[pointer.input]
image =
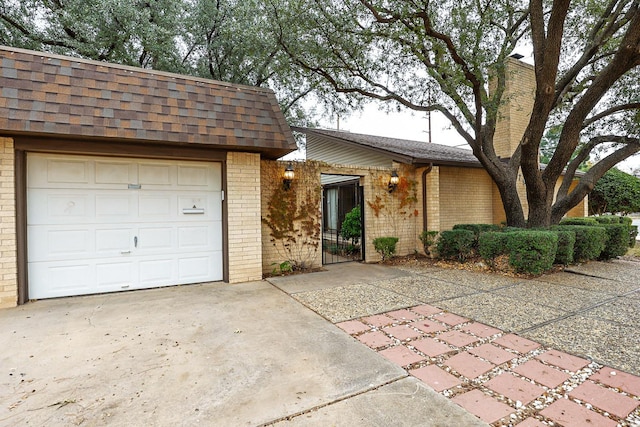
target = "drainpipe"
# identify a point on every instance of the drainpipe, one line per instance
(424, 196)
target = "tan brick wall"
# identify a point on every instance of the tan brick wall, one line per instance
(466, 196)
(8, 266)
(243, 209)
(307, 174)
(433, 199)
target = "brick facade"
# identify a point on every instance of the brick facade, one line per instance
(243, 212)
(8, 266)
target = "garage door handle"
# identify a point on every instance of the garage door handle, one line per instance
(125, 252)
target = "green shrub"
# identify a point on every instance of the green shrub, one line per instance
(590, 241)
(532, 251)
(455, 244)
(566, 247)
(428, 239)
(491, 244)
(633, 234)
(352, 225)
(385, 246)
(579, 221)
(476, 229)
(626, 220)
(617, 241)
(607, 219)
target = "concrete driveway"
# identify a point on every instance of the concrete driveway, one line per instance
(212, 354)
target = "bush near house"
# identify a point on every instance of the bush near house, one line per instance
(477, 229)
(590, 240)
(532, 251)
(385, 246)
(617, 241)
(491, 244)
(428, 239)
(566, 247)
(352, 225)
(455, 244)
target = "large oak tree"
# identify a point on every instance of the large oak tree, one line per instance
(441, 55)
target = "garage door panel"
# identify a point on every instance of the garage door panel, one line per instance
(195, 268)
(155, 174)
(157, 272)
(120, 173)
(110, 241)
(63, 279)
(111, 276)
(157, 205)
(90, 231)
(154, 239)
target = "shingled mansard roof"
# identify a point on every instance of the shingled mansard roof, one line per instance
(58, 96)
(401, 150)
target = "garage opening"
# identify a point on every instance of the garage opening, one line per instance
(103, 224)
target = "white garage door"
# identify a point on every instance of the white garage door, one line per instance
(108, 224)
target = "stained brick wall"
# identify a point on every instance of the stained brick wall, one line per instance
(466, 196)
(8, 268)
(243, 208)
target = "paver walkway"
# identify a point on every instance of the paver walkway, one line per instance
(521, 370)
(502, 378)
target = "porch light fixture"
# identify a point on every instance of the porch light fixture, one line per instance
(288, 177)
(393, 181)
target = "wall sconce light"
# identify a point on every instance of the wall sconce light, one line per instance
(393, 181)
(287, 177)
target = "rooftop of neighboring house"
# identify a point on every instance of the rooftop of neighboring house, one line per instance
(400, 150)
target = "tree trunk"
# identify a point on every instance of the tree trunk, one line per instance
(511, 203)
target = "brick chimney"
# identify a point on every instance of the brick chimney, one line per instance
(517, 103)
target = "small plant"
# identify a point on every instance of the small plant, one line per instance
(428, 239)
(352, 225)
(566, 247)
(617, 242)
(491, 244)
(282, 268)
(385, 246)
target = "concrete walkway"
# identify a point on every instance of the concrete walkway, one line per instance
(214, 355)
(561, 348)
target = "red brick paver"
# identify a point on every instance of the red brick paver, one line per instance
(481, 330)
(375, 339)
(457, 357)
(426, 310)
(378, 320)
(429, 326)
(403, 315)
(484, 407)
(353, 327)
(436, 378)
(402, 332)
(431, 347)
(622, 380)
(570, 414)
(450, 319)
(563, 360)
(515, 388)
(401, 355)
(492, 353)
(457, 338)
(541, 373)
(468, 365)
(605, 399)
(519, 344)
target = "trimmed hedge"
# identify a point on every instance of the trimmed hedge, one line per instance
(477, 228)
(385, 246)
(566, 247)
(590, 240)
(608, 219)
(617, 241)
(532, 251)
(455, 244)
(579, 221)
(491, 244)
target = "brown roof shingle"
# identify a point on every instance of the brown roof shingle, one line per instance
(53, 95)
